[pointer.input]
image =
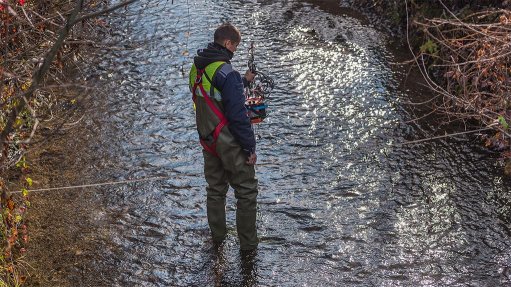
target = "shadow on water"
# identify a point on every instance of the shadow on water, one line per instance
(245, 265)
(341, 204)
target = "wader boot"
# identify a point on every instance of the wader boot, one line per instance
(230, 168)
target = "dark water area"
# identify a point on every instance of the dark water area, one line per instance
(341, 202)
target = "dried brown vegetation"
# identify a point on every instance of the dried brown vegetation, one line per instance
(466, 60)
(39, 45)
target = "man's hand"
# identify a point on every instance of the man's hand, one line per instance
(252, 159)
(249, 75)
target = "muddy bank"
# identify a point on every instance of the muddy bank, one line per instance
(35, 67)
(66, 227)
(393, 14)
(460, 48)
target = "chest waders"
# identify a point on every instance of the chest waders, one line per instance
(230, 170)
(209, 146)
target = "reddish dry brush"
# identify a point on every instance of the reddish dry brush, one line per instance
(38, 42)
(467, 60)
(31, 84)
(14, 238)
(13, 80)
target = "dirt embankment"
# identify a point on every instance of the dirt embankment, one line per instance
(43, 119)
(394, 13)
(462, 50)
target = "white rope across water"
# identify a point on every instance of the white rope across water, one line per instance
(95, 184)
(168, 177)
(445, 136)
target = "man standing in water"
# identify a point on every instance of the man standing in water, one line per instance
(226, 134)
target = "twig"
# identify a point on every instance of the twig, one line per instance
(37, 78)
(444, 136)
(105, 11)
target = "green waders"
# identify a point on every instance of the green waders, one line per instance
(226, 167)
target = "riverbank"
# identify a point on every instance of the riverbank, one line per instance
(26, 33)
(392, 15)
(44, 98)
(461, 49)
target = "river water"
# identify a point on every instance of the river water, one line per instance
(341, 203)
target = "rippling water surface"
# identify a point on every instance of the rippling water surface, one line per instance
(340, 203)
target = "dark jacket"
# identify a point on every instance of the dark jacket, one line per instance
(230, 83)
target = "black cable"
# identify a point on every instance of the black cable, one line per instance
(264, 83)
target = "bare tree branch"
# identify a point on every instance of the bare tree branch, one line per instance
(105, 11)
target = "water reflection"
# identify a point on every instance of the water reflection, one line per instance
(229, 268)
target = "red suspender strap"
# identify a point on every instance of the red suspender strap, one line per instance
(212, 106)
(198, 80)
(223, 120)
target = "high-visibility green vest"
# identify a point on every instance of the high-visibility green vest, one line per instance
(210, 72)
